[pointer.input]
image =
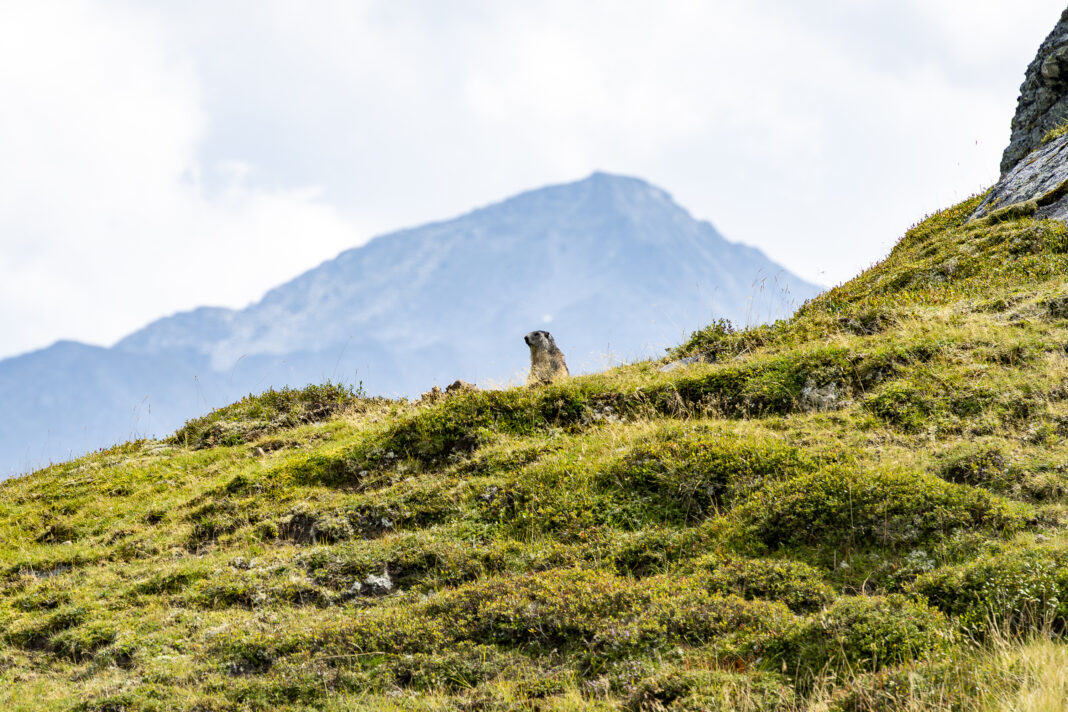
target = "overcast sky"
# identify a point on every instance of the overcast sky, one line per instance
(157, 156)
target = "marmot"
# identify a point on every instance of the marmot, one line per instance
(546, 361)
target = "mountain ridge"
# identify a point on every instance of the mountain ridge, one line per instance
(608, 263)
(599, 187)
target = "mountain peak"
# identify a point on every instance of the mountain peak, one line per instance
(620, 182)
(599, 190)
(608, 263)
(604, 197)
(629, 188)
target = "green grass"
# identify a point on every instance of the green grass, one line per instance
(254, 416)
(1055, 133)
(859, 508)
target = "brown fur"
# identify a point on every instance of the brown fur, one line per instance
(546, 360)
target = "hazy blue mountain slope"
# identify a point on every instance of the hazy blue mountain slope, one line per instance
(609, 264)
(71, 398)
(607, 260)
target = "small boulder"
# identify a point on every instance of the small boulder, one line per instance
(372, 585)
(820, 398)
(435, 394)
(460, 387)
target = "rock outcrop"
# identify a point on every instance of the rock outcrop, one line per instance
(1043, 102)
(1037, 186)
(1034, 167)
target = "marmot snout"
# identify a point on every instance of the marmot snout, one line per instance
(546, 360)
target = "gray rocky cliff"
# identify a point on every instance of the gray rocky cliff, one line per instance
(1043, 102)
(1036, 186)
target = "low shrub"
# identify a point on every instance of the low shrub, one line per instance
(304, 525)
(226, 590)
(43, 597)
(216, 518)
(254, 416)
(759, 386)
(1021, 588)
(653, 550)
(462, 422)
(949, 400)
(980, 465)
(902, 405)
(68, 632)
(604, 617)
(933, 686)
(417, 559)
(461, 667)
(592, 616)
(841, 507)
(169, 581)
(721, 340)
(793, 583)
(686, 689)
(865, 322)
(859, 634)
(685, 475)
(80, 643)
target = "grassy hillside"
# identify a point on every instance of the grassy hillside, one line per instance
(861, 508)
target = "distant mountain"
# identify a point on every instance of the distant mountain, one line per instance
(611, 265)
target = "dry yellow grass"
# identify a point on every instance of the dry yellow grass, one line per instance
(1038, 675)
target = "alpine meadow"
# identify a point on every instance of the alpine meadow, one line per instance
(862, 507)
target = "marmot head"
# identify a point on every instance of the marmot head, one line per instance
(540, 340)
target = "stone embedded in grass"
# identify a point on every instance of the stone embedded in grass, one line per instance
(305, 526)
(372, 585)
(820, 398)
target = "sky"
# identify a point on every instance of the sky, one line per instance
(158, 156)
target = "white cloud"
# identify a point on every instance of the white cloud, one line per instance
(161, 156)
(104, 218)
